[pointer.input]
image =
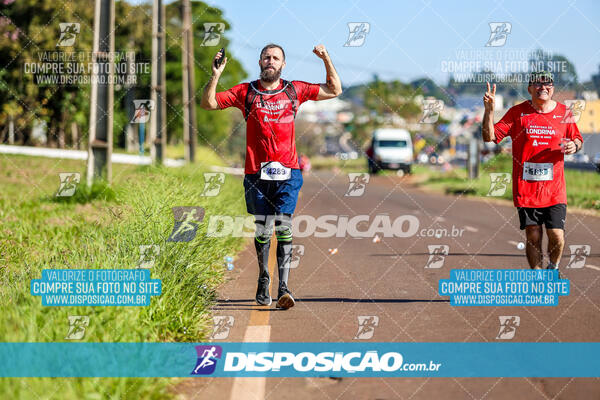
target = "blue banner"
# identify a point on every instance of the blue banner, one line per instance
(503, 287)
(96, 287)
(300, 359)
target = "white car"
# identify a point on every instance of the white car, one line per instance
(390, 149)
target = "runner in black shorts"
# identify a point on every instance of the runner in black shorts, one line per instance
(542, 132)
(272, 174)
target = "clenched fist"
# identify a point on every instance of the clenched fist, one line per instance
(321, 52)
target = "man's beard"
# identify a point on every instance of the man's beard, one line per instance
(269, 75)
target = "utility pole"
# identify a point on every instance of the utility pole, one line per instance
(189, 103)
(158, 117)
(473, 158)
(130, 134)
(101, 107)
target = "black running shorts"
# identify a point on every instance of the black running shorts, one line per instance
(552, 217)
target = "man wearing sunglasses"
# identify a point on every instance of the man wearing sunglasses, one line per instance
(542, 132)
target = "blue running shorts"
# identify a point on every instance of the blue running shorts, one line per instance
(272, 197)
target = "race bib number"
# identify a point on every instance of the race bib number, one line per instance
(538, 171)
(274, 171)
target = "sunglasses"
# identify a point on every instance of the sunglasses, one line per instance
(540, 84)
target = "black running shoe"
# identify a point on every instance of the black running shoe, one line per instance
(285, 299)
(263, 297)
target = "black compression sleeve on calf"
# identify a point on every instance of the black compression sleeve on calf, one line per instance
(262, 253)
(283, 230)
(262, 243)
(284, 257)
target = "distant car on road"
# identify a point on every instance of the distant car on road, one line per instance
(596, 161)
(390, 149)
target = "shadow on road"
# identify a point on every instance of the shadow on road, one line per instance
(243, 304)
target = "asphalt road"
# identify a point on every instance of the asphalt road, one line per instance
(388, 279)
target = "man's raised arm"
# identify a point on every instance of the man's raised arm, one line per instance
(209, 98)
(333, 87)
(487, 126)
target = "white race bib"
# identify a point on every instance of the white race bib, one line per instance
(274, 171)
(538, 171)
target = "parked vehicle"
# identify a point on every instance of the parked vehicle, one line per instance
(390, 149)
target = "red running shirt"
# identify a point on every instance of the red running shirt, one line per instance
(270, 132)
(536, 139)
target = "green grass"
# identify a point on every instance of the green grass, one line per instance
(203, 154)
(583, 187)
(103, 228)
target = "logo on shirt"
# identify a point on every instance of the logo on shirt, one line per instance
(272, 105)
(545, 132)
(267, 119)
(277, 111)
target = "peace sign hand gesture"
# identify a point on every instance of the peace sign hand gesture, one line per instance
(489, 97)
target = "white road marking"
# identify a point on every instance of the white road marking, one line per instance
(258, 330)
(252, 388)
(592, 267)
(471, 229)
(257, 333)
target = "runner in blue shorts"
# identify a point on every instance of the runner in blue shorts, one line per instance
(272, 175)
